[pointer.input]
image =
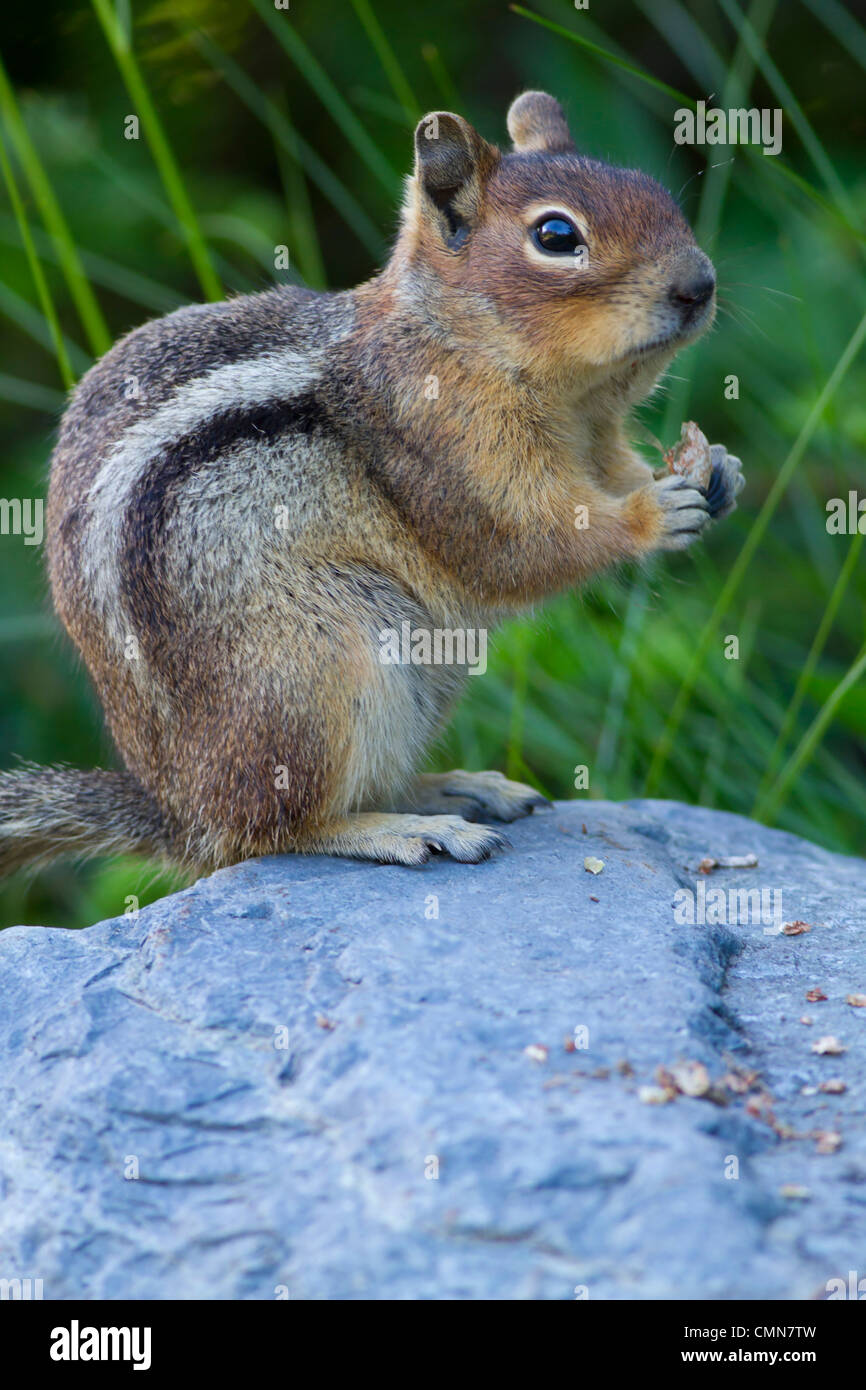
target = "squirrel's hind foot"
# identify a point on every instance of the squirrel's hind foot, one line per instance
(391, 838)
(472, 795)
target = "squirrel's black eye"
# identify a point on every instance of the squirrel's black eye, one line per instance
(557, 236)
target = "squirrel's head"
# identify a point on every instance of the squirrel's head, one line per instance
(564, 266)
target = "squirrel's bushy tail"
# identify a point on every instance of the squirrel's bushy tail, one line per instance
(51, 813)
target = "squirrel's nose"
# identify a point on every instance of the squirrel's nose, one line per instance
(692, 291)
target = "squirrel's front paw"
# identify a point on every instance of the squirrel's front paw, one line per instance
(685, 511)
(726, 481)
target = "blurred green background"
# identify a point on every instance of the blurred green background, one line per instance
(294, 127)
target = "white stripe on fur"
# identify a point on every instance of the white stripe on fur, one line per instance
(255, 381)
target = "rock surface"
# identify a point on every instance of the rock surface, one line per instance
(286, 1052)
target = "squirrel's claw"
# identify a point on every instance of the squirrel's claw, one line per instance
(684, 508)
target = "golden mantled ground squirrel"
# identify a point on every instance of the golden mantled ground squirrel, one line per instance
(228, 541)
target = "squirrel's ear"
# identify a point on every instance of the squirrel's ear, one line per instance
(536, 122)
(452, 165)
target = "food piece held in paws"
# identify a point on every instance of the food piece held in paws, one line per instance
(691, 455)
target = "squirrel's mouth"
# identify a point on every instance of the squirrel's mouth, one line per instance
(665, 342)
(671, 340)
(654, 345)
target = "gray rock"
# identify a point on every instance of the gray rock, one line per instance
(286, 1050)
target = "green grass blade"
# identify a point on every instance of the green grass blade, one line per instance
(22, 313)
(303, 232)
(514, 764)
(743, 560)
(95, 327)
(31, 394)
(343, 116)
(813, 194)
(239, 231)
(42, 290)
(628, 656)
(399, 85)
(160, 148)
(842, 25)
(818, 643)
(131, 284)
(792, 109)
(438, 71)
(138, 191)
(604, 53)
(686, 38)
(381, 104)
(282, 130)
(124, 17)
(768, 805)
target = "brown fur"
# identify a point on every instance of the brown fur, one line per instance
(255, 715)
